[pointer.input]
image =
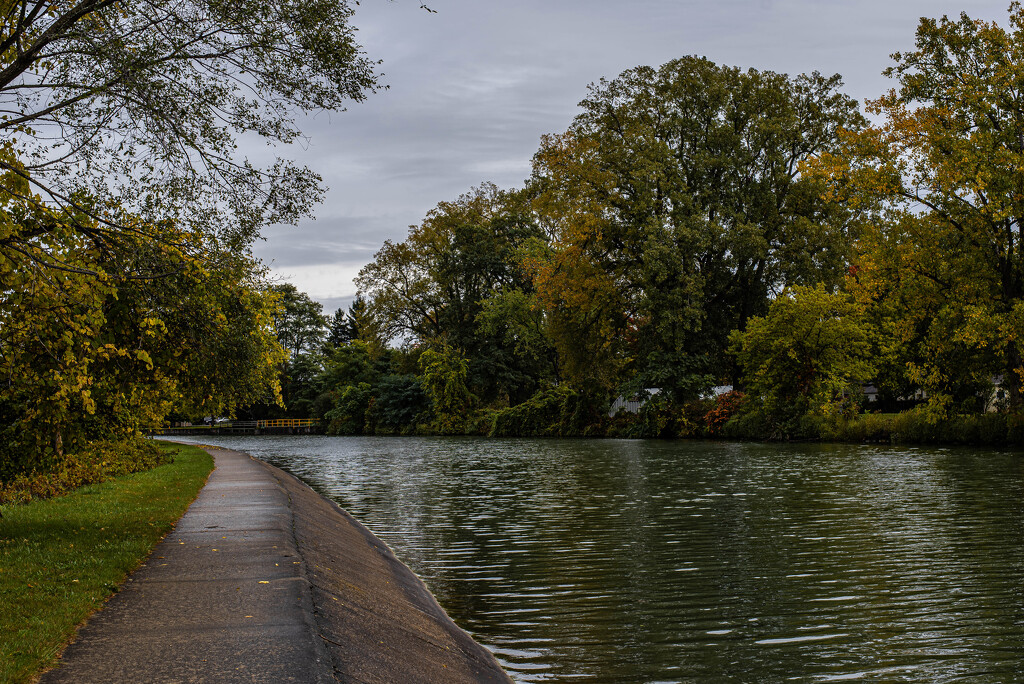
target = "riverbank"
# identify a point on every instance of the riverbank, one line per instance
(263, 580)
(913, 427)
(60, 559)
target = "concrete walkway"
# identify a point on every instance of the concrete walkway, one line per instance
(263, 580)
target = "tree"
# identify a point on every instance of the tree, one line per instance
(398, 403)
(348, 415)
(432, 284)
(586, 311)
(811, 353)
(350, 364)
(299, 322)
(515, 321)
(433, 287)
(103, 356)
(444, 379)
(139, 104)
(127, 288)
(677, 202)
(941, 179)
(301, 328)
(342, 328)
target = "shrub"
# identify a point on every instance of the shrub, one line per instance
(97, 462)
(538, 416)
(582, 415)
(992, 428)
(912, 427)
(726, 406)
(656, 418)
(348, 417)
(1015, 428)
(551, 412)
(751, 424)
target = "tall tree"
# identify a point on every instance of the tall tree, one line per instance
(942, 171)
(343, 327)
(682, 185)
(301, 329)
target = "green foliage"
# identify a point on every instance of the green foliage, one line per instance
(677, 207)
(908, 427)
(98, 462)
(444, 379)
(348, 417)
(399, 403)
(698, 225)
(127, 288)
(88, 351)
(552, 412)
(809, 354)
(939, 181)
(350, 364)
(438, 285)
(298, 320)
(538, 416)
(655, 419)
(343, 328)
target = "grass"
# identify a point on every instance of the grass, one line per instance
(60, 559)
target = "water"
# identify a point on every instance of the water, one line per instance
(637, 561)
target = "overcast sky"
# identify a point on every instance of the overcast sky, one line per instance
(473, 86)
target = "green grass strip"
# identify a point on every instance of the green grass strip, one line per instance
(60, 559)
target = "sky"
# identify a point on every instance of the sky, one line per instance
(473, 86)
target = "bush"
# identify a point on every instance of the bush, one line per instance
(992, 428)
(98, 462)
(1015, 428)
(750, 424)
(551, 412)
(726, 406)
(915, 427)
(348, 417)
(657, 418)
(538, 416)
(912, 427)
(400, 401)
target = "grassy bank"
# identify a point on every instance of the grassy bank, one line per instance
(61, 558)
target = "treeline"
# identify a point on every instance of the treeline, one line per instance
(701, 226)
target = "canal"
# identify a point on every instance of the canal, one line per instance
(647, 561)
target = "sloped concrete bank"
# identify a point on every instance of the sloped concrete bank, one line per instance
(378, 620)
(264, 580)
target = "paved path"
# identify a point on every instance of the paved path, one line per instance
(263, 580)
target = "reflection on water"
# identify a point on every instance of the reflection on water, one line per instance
(635, 561)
